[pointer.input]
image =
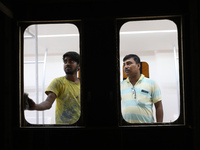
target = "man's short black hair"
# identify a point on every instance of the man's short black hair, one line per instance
(74, 55)
(135, 57)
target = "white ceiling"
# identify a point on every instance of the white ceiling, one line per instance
(143, 36)
(57, 38)
(155, 35)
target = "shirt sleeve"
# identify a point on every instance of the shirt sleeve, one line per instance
(156, 93)
(54, 87)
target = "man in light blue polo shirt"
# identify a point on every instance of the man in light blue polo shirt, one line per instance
(138, 94)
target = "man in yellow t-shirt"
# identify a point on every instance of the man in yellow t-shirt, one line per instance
(65, 90)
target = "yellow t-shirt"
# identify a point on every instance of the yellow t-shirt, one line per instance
(67, 101)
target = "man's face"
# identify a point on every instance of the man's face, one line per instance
(131, 69)
(70, 66)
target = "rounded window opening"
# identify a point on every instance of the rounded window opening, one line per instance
(51, 74)
(156, 44)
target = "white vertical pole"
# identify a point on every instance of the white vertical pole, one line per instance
(36, 71)
(43, 81)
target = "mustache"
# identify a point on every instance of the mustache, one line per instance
(126, 69)
(68, 67)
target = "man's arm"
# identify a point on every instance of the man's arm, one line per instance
(159, 111)
(44, 105)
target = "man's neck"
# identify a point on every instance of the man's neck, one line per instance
(134, 79)
(72, 77)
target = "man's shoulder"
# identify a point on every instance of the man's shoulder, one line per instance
(149, 81)
(58, 80)
(124, 81)
(55, 86)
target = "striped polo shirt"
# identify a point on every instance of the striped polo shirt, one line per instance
(137, 100)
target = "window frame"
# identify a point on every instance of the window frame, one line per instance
(178, 20)
(22, 120)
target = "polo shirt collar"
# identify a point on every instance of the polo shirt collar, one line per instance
(140, 79)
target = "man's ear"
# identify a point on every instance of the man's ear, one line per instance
(139, 65)
(78, 67)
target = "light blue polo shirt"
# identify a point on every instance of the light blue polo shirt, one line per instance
(137, 101)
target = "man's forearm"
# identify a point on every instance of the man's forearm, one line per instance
(159, 114)
(43, 106)
(159, 111)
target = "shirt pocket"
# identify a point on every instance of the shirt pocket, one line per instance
(145, 92)
(145, 96)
